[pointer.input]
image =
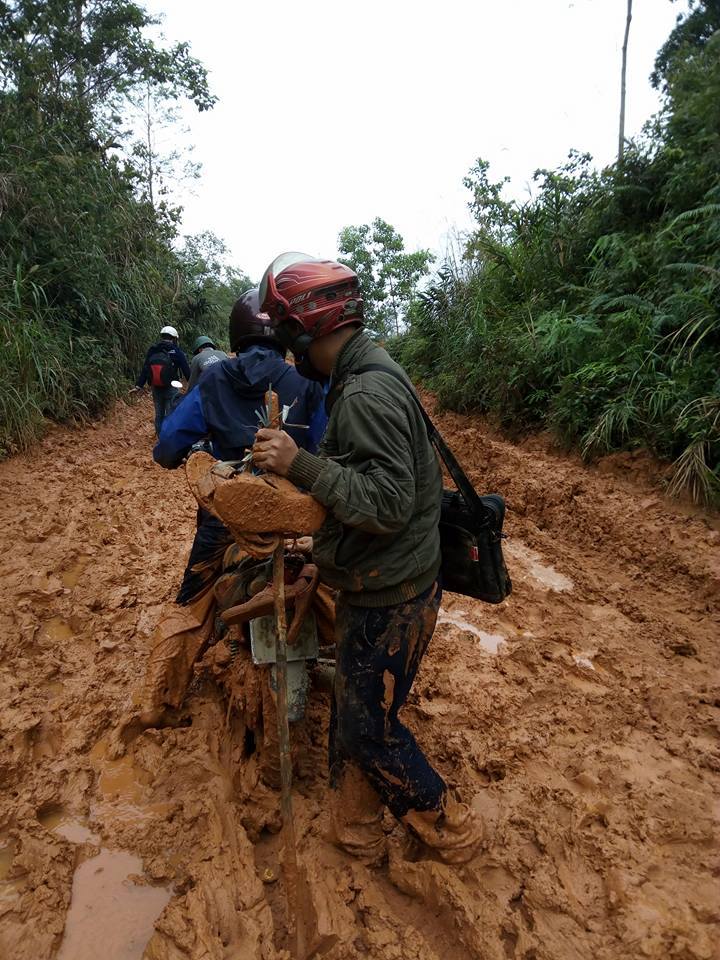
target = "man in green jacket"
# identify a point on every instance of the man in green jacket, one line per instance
(378, 477)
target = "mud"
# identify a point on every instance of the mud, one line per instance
(588, 739)
(253, 504)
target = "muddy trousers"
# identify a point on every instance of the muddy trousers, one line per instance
(212, 538)
(186, 626)
(378, 654)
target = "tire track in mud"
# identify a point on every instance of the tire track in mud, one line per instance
(581, 717)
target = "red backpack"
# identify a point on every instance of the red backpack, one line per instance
(162, 368)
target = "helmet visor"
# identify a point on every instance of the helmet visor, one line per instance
(279, 264)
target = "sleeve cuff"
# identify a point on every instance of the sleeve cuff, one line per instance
(305, 469)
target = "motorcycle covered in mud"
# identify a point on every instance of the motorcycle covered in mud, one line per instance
(245, 630)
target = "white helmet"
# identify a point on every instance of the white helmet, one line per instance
(170, 331)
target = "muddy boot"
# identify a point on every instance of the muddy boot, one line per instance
(356, 818)
(131, 725)
(177, 641)
(451, 835)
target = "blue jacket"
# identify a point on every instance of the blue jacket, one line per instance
(176, 355)
(223, 404)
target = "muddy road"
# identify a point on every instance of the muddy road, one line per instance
(581, 717)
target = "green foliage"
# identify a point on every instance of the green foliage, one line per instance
(594, 307)
(89, 272)
(388, 275)
(78, 61)
(210, 286)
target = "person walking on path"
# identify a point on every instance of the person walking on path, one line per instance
(205, 353)
(378, 477)
(164, 362)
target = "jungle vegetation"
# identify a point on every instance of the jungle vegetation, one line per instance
(90, 262)
(593, 309)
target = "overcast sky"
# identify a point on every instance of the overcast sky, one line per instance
(332, 113)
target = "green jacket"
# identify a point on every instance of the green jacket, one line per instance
(378, 476)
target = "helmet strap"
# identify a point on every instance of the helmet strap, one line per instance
(295, 341)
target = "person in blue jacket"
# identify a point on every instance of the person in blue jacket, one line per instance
(164, 363)
(220, 411)
(222, 408)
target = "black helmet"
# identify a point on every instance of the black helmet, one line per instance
(247, 324)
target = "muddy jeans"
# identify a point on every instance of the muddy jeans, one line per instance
(212, 538)
(185, 627)
(378, 655)
(164, 400)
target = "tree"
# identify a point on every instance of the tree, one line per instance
(388, 275)
(691, 34)
(209, 285)
(89, 270)
(158, 166)
(79, 60)
(623, 74)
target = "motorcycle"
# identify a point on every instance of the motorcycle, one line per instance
(243, 645)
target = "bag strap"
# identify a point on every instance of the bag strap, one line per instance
(460, 478)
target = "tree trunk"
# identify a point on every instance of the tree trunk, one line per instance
(394, 307)
(150, 156)
(621, 137)
(79, 71)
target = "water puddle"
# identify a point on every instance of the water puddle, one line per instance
(583, 660)
(119, 780)
(56, 630)
(490, 642)
(543, 573)
(72, 574)
(58, 821)
(122, 788)
(110, 916)
(7, 852)
(9, 889)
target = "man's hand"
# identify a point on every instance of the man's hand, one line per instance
(300, 545)
(274, 450)
(136, 390)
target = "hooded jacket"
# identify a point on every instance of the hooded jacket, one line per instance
(223, 407)
(378, 476)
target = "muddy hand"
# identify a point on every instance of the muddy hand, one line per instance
(131, 725)
(274, 450)
(300, 545)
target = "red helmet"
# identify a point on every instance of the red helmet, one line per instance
(308, 298)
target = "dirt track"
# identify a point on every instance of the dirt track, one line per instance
(589, 738)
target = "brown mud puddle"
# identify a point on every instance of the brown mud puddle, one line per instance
(488, 641)
(7, 851)
(63, 824)
(110, 915)
(582, 717)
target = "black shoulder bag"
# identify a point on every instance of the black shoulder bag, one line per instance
(470, 525)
